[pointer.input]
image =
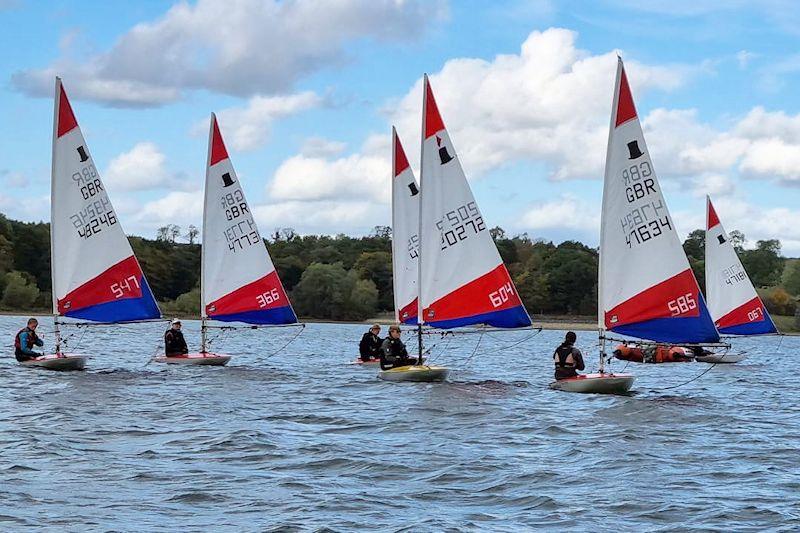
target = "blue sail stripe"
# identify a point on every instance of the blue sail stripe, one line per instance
(277, 315)
(515, 317)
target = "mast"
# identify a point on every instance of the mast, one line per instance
(57, 332)
(600, 308)
(420, 305)
(203, 240)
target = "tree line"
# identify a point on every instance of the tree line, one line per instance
(350, 278)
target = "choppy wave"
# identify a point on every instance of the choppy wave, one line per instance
(300, 440)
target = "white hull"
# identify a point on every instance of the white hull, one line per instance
(415, 373)
(209, 359)
(374, 362)
(596, 384)
(56, 362)
(721, 358)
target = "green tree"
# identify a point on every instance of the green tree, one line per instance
(695, 245)
(20, 292)
(188, 303)
(363, 301)
(533, 290)
(571, 273)
(791, 280)
(764, 264)
(377, 267)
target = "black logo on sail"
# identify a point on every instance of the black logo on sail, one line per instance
(633, 148)
(413, 188)
(721, 239)
(82, 153)
(443, 155)
(227, 180)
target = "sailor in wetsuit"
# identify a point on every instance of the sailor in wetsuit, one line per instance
(174, 343)
(25, 340)
(567, 358)
(393, 351)
(370, 346)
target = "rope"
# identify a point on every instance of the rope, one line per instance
(287, 343)
(701, 374)
(474, 351)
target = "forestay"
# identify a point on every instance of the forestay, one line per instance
(732, 300)
(95, 273)
(647, 288)
(405, 239)
(239, 282)
(463, 280)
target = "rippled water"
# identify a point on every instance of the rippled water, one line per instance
(300, 440)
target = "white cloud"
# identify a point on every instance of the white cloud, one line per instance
(326, 217)
(365, 175)
(567, 211)
(142, 168)
(177, 207)
(714, 185)
(237, 47)
(248, 127)
(14, 180)
(319, 147)
(548, 103)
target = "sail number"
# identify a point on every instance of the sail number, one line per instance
(755, 315)
(734, 274)
(413, 247)
(126, 285)
(242, 234)
(462, 222)
(267, 298)
(645, 222)
(682, 304)
(91, 219)
(501, 295)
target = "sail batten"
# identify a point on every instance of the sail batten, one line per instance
(239, 282)
(647, 288)
(733, 302)
(463, 280)
(95, 273)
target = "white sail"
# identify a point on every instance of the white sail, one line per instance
(732, 300)
(239, 281)
(463, 278)
(405, 240)
(646, 286)
(95, 273)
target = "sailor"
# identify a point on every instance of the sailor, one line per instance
(370, 346)
(174, 343)
(393, 351)
(567, 358)
(25, 340)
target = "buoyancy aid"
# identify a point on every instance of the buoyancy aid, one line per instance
(30, 339)
(564, 362)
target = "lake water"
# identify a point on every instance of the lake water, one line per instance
(300, 440)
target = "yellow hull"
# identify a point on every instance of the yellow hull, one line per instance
(417, 373)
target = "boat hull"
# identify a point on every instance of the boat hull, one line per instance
(374, 362)
(208, 359)
(57, 362)
(415, 373)
(596, 384)
(721, 358)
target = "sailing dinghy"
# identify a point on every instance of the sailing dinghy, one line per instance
(461, 278)
(96, 276)
(238, 281)
(646, 288)
(733, 302)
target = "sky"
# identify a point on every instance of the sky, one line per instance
(306, 93)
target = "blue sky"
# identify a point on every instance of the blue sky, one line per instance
(307, 93)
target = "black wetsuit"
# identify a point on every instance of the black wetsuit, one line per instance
(566, 369)
(394, 354)
(370, 347)
(174, 343)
